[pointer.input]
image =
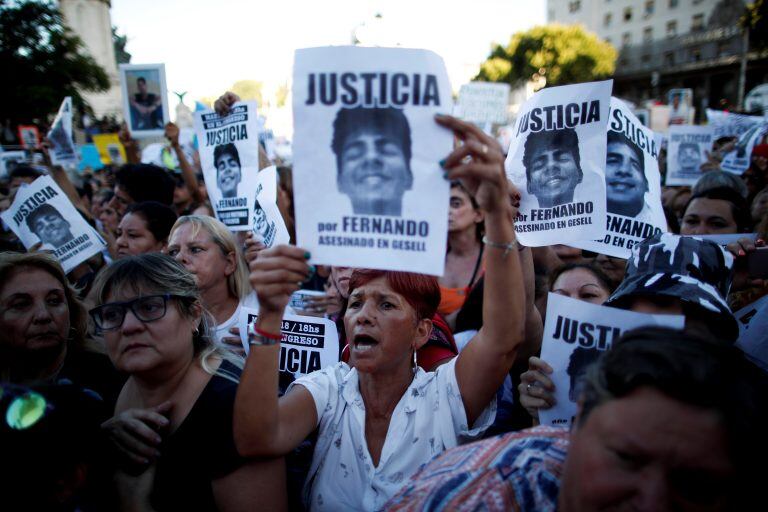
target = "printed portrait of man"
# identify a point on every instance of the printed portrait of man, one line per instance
(625, 179)
(552, 166)
(260, 221)
(373, 158)
(49, 226)
(146, 108)
(578, 364)
(61, 139)
(688, 158)
(228, 174)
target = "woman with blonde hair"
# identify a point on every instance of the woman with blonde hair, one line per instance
(181, 389)
(209, 251)
(43, 328)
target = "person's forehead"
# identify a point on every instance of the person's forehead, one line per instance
(368, 134)
(622, 148)
(29, 281)
(550, 148)
(187, 233)
(376, 287)
(706, 207)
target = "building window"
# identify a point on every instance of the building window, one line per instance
(647, 34)
(673, 3)
(649, 5)
(627, 14)
(722, 48)
(607, 19)
(626, 38)
(574, 6)
(695, 54)
(669, 59)
(671, 28)
(697, 23)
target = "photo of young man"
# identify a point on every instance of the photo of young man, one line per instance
(49, 226)
(228, 173)
(625, 179)
(146, 107)
(688, 158)
(552, 166)
(373, 154)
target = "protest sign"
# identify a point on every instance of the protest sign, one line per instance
(29, 136)
(728, 124)
(229, 155)
(557, 161)
(62, 150)
(300, 299)
(738, 160)
(633, 186)
(368, 187)
(268, 224)
(680, 106)
(89, 158)
(687, 150)
(42, 213)
(111, 150)
(9, 160)
(145, 98)
(753, 331)
(308, 343)
(576, 333)
(484, 102)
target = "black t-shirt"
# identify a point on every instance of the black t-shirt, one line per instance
(201, 450)
(93, 371)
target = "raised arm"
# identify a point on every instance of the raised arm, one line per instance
(187, 172)
(483, 364)
(264, 425)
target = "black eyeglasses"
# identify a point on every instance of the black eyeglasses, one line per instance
(111, 316)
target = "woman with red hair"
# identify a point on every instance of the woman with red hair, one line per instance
(381, 417)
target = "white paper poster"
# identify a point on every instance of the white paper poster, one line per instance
(268, 224)
(300, 299)
(557, 161)
(368, 188)
(42, 213)
(145, 99)
(9, 160)
(633, 186)
(484, 102)
(680, 106)
(229, 155)
(738, 160)
(753, 331)
(687, 150)
(576, 333)
(728, 124)
(308, 343)
(60, 136)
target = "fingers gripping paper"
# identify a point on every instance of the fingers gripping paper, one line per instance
(633, 186)
(556, 160)
(368, 187)
(41, 213)
(575, 334)
(229, 154)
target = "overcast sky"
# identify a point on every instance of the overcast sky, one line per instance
(207, 45)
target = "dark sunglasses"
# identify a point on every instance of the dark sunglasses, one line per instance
(149, 308)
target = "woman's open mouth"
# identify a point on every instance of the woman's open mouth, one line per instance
(363, 343)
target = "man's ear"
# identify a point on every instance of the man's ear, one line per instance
(423, 330)
(409, 185)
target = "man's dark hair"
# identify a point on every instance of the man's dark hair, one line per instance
(141, 79)
(146, 182)
(620, 138)
(687, 145)
(24, 171)
(159, 218)
(581, 358)
(40, 211)
(387, 121)
(565, 139)
(225, 149)
(702, 372)
(739, 205)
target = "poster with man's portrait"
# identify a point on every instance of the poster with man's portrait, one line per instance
(728, 124)
(42, 213)
(229, 154)
(145, 98)
(268, 224)
(368, 187)
(111, 150)
(576, 333)
(556, 160)
(9, 160)
(632, 186)
(687, 150)
(60, 136)
(680, 103)
(738, 160)
(29, 136)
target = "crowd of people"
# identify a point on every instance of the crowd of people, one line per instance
(124, 384)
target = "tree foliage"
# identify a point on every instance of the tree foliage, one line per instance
(42, 60)
(755, 19)
(563, 54)
(248, 90)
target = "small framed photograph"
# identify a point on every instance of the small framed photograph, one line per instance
(145, 98)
